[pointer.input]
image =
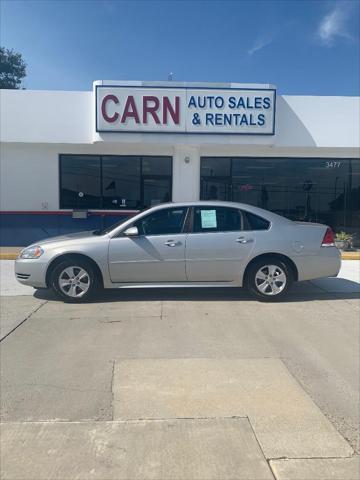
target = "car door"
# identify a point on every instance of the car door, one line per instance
(156, 255)
(216, 247)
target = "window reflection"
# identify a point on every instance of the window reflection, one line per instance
(304, 189)
(79, 180)
(120, 182)
(114, 181)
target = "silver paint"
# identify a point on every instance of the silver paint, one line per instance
(188, 259)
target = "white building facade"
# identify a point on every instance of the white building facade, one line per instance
(75, 161)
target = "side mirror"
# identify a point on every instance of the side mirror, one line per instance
(131, 232)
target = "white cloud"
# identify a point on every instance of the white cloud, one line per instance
(334, 24)
(259, 44)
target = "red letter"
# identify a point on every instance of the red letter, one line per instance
(130, 102)
(103, 108)
(175, 113)
(150, 109)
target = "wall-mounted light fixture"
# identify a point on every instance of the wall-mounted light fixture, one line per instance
(187, 159)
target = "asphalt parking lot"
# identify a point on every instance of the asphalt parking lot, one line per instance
(181, 384)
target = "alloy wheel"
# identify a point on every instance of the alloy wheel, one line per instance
(74, 281)
(270, 280)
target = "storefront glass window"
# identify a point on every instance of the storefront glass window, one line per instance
(120, 182)
(79, 181)
(156, 166)
(305, 189)
(156, 190)
(114, 182)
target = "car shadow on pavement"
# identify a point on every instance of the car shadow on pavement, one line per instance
(331, 289)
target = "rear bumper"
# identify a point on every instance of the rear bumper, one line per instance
(326, 263)
(31, 272)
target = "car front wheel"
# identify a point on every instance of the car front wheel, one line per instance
(269, 280)
(74, 280)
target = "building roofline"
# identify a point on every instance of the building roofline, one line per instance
(175, 83)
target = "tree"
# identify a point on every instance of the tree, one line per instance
(12, 68)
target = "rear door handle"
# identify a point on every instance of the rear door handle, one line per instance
(171, 243)
(244, 240)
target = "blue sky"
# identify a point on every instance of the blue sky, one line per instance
(304, 47)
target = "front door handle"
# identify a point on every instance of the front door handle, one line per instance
(171, 243)
(244, 240)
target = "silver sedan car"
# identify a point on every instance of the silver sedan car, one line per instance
(194, 244)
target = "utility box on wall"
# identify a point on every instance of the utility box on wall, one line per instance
(79, 214)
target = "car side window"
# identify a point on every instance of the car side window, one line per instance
(162, 222)
(216, 219)
(254, 222)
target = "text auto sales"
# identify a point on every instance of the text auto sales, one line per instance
(235, 103)
(160, 110)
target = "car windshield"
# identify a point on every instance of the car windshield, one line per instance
(117, 224)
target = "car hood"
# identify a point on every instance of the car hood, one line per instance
(62, 238)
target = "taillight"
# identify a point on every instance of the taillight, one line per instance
(329, 239)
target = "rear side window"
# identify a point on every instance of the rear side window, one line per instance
(216, 219)
(254, 222)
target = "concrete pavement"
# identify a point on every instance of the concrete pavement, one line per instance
(286, 422)
(86, 390)
(196, 449)
(316, 469)
(15, 310)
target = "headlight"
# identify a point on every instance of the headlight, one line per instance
(31, 252)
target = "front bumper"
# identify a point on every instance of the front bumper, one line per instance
(31, 272)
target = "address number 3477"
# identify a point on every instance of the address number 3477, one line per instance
(332, 164)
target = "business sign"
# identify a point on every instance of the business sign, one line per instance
(185, 110)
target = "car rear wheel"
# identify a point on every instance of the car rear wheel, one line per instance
(75, 281)
(269, 279)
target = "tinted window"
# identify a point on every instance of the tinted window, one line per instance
(216, 219)
(216, 167)
(215, 189)
(162, 222)
(114, 181)
(80, 182)
(121, 182)
(156, 166)
(254, 222)
(324, 190)
(156, 190)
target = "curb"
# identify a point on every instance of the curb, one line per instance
(12, 255)
(9, 253)
(8, 256)
(350, 255)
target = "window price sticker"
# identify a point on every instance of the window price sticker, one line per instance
(208, 219)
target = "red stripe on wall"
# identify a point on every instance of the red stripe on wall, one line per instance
(69, 213)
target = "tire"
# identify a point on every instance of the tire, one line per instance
(75, 281)
(269, 279)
